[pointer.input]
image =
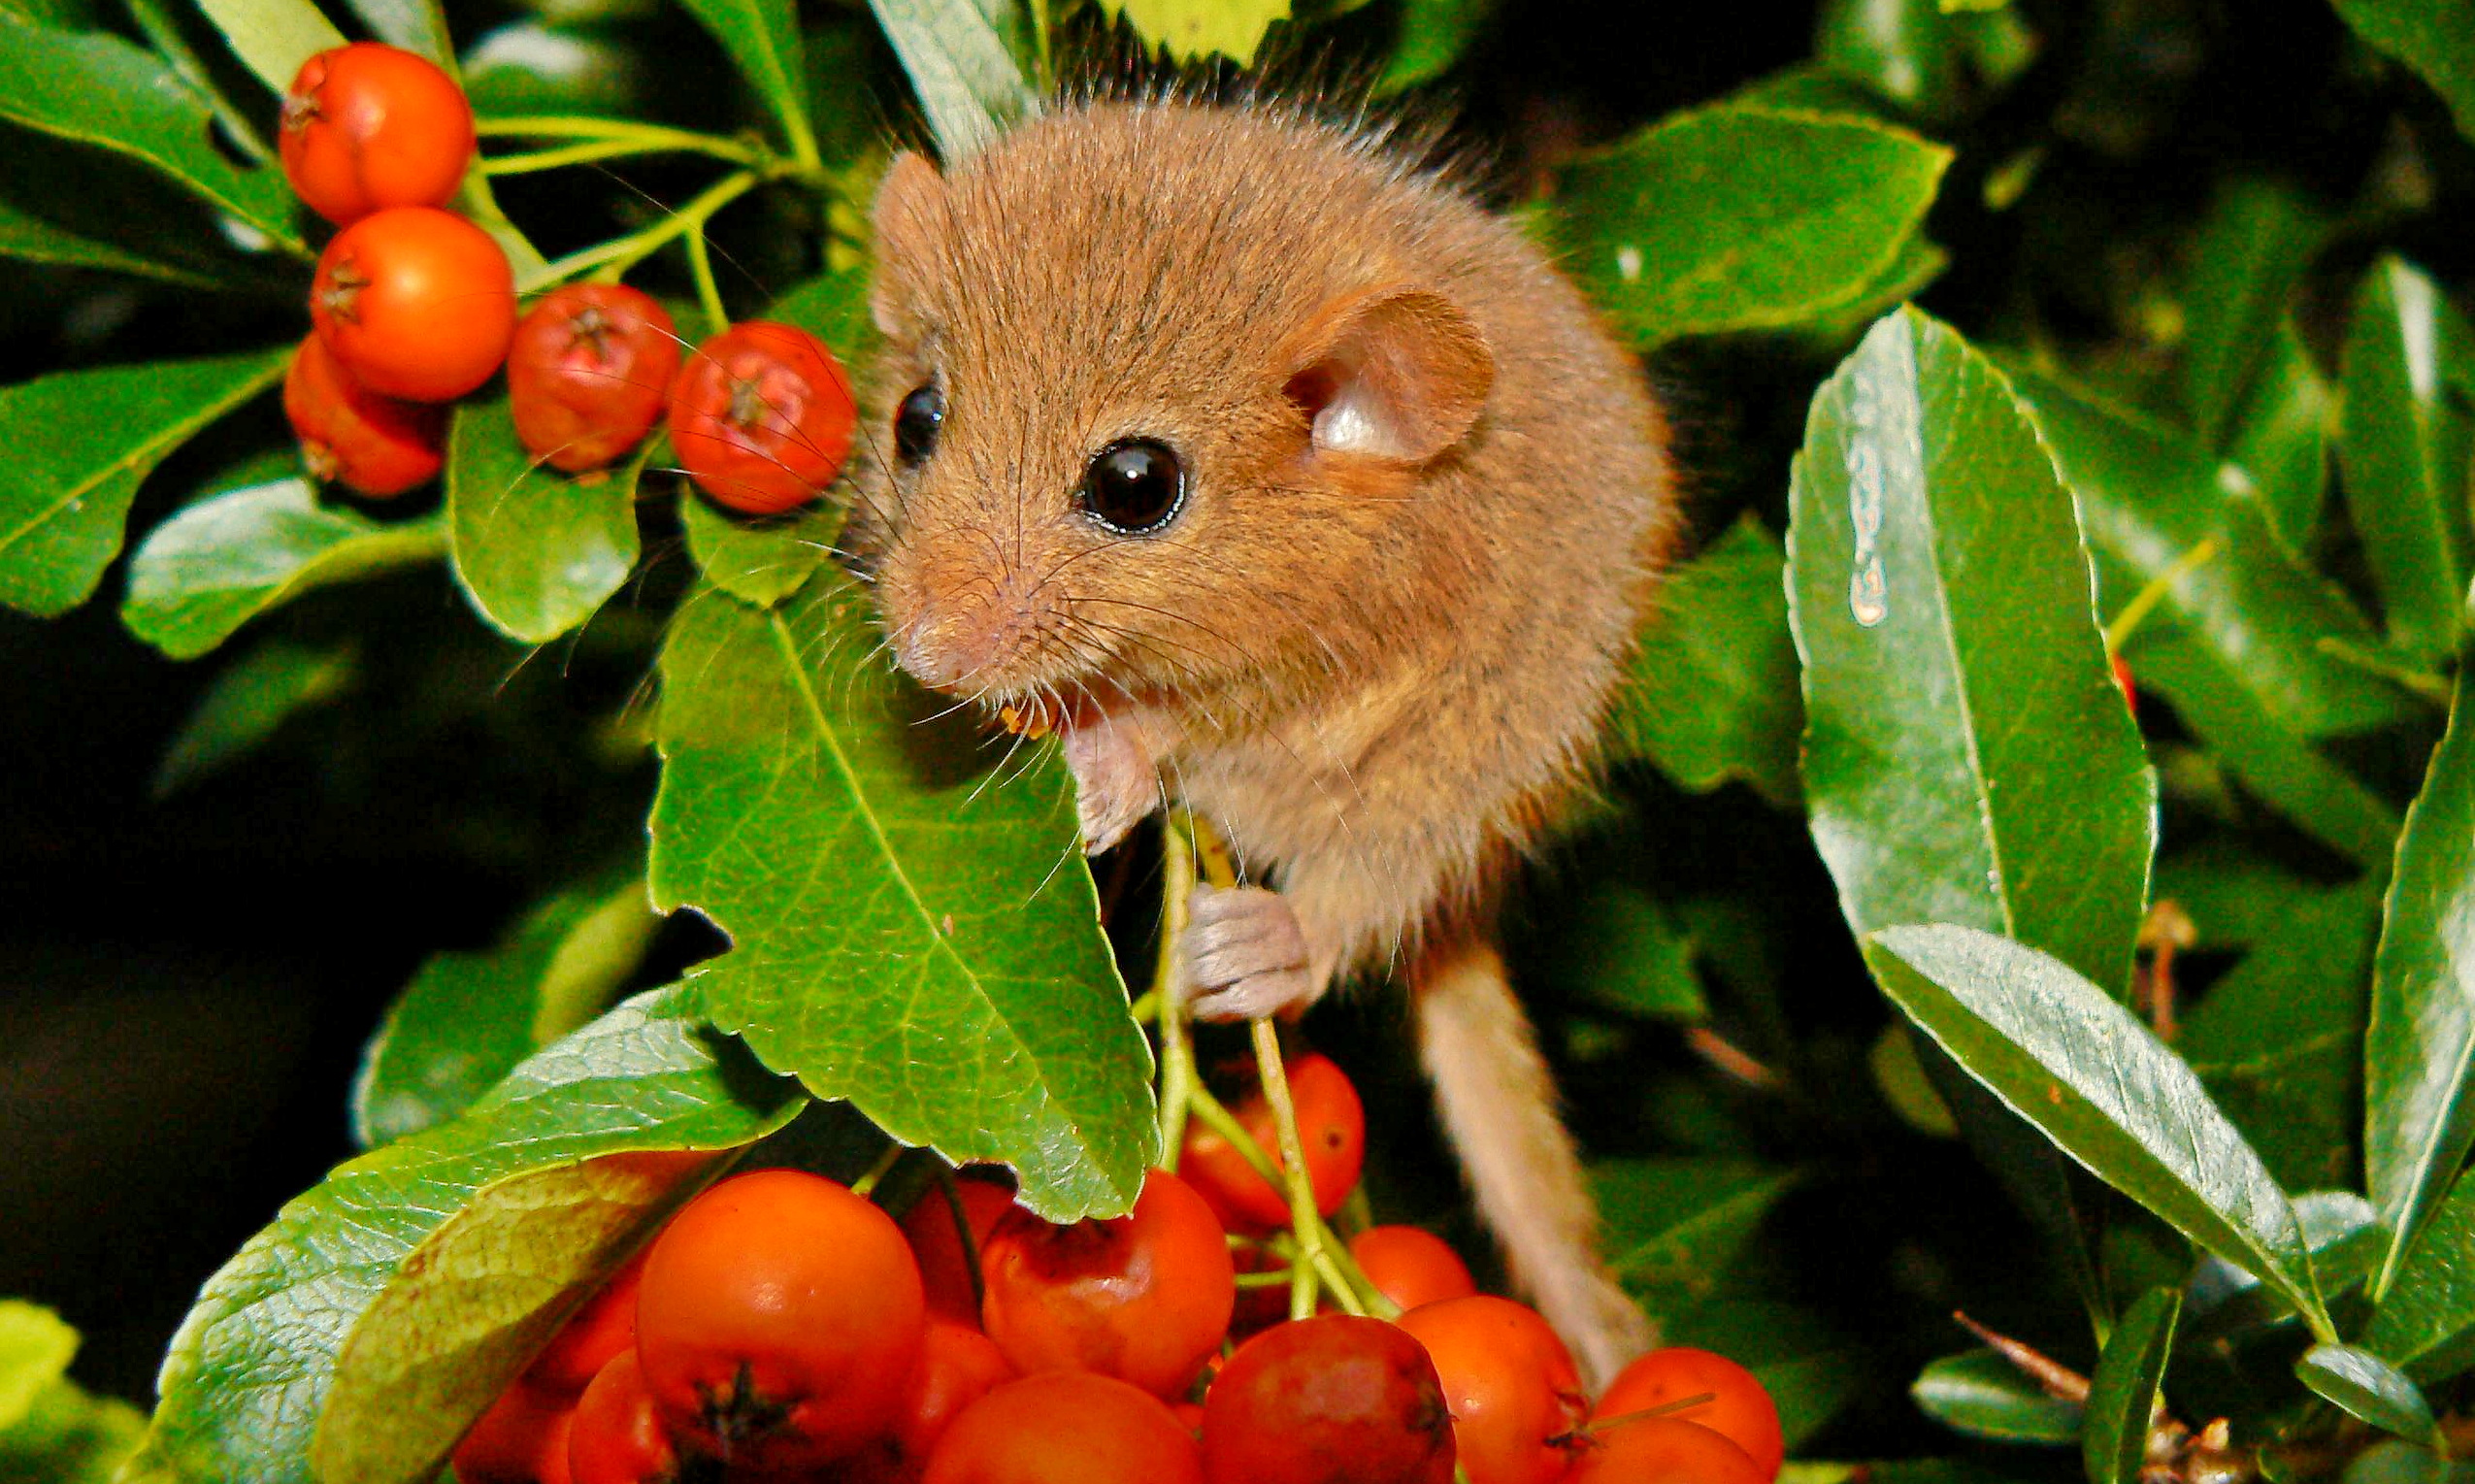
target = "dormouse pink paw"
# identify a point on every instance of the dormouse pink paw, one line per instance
(1115, 780)
(1245, 955)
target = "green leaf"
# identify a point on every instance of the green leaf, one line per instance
(245, 704)
(1741, 219)
(2123, 1389)
(1433, 38)
(913, 927)
(68, 1436)
(1968, 757)
(36, 1346)
(2247, 263)
(2257, 616)
(969, 76)
(2281, 437)
(2404, 442)
(74, 469)
(762, 37)
(36, 239)
(1191, 30)
(1618, 947)
(757, 561)
(1981, 1394)
(468, 1019)
(276, 1334)
(2366, 1388)
(2419, 1056)
(1674, 1226)
(98, 90)
(2424, 1324)
(273, 38)
(2345, 1240)
(1712, 691)
(538, 551)
(1899, 1076)
(415, 25)
(2435, 38)
(833, 306)
(2063, 1055)
(2233, 896)
(1906, 51)
(235, 553)
(2277, 1041)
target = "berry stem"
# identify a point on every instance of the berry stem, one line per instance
(709, 293)
(1177, 1080)
(588, 151)
(613, 258)
(1302, 1216)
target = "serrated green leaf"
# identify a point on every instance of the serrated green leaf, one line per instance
(1981, 1394)
(1741, 219)
(71, 474)
(2256, 614)
(245, 704)
(2277, 1040)
(1968, 757)
(273, 38)
(254, 1368)
(2435, 38)
(36, 1346)
(468, 1019)
(1673, 1227)
(2367, 1389)
(2424, 1324)
(965, 68)
(912, 923)
(2247, 262)
(93, 87)
(1433, 37)
(1712, 690)
(2063, 1055)
(762, 37)
(2280, 437)
(757, 561)
(235, 553)
(1191, 30)
(538, 551)
(2123, 1389)
(2419, 1055)
(2404, 442)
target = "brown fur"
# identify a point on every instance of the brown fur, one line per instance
(1378, 663)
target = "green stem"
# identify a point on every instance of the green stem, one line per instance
(1302, 1216)
(709, 293)
(166, 38)
(866, 1185)
(584, 152)
(1177, 1080)
(2144, 602)
(1040, 45)
(619, 255)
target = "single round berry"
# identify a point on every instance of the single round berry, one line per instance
(1066, 1427)
(1661, 1450)
(957, 1367)
(618, 1435)
(1510, 1384)
(1331, 1400)
(1411, 1266)
(368, 127)
(415, 303)
(349, 435)
(589, 373)
(761, 417)
(1739, 1409)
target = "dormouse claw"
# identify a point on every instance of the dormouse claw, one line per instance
(1245, 955)
(1117, 783)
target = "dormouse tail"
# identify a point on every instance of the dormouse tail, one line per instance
(1498, 1105)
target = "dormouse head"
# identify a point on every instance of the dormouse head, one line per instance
(1162, 390)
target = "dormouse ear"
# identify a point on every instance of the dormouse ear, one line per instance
(911, 218)
(1392, 373)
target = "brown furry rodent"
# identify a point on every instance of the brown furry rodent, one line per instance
(1298, 489)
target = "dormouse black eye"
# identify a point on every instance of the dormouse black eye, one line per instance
(1135, 488)
(916, 422)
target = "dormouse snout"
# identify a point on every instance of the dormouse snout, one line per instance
(982, 638)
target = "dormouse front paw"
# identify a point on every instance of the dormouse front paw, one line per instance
(1245, 955)
(1117, 783)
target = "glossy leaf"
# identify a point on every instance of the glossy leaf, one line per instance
(538, 551)
(245, 704)
(273, 38)
(2369, 1390)
(762, 37)
(1981, 1394)
(2280, 437)
(93, 87)
(2407, 435)
(1435, 35)
(757, 561)
(66, 487)
(2257, 614)
(1968, 757)
(2063, 1055)
(2233, 896)
(1741, 219)
(2345, 1240)
(2278, 1041)
(2419, 1056)
(562, 1145)
(233, 556)
(1712, 693)
(35, 239)
(967, 72)
(2424, 1324)
(913, 926)
(1674, 1227)
(2429, 36)
(1191, 30)
(2123, 1389)
(468, 1019)
(2247, 263)
(415, 25)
